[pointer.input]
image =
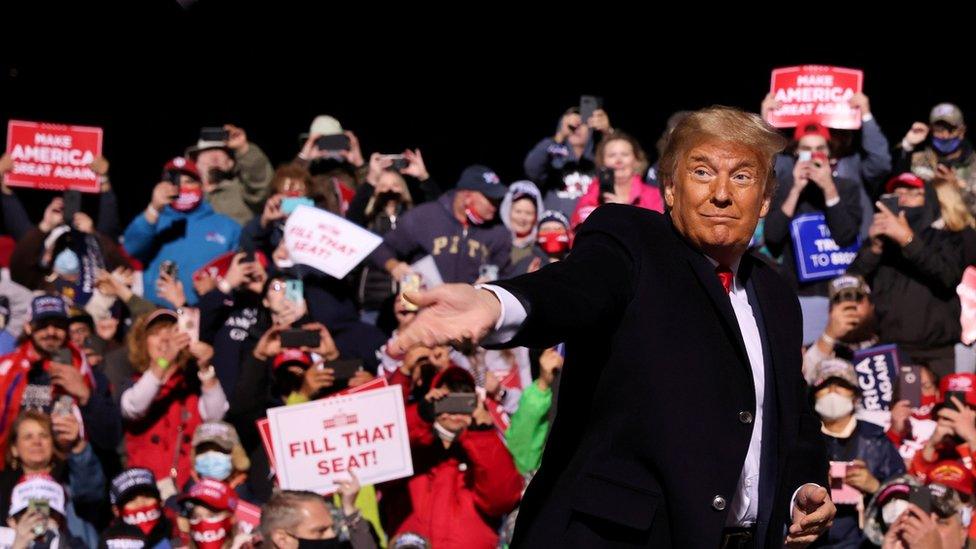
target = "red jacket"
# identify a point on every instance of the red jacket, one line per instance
(13, 380)
(160, 441)
(458, 495)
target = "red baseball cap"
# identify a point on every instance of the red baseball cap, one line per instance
(810, 126)
(906, 179)
(212, 493)
(184, 166)
(960, 383)
(952, 473)
(291, 356)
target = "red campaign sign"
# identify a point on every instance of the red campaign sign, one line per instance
(967, 298)
(53, 157)
(816, 91)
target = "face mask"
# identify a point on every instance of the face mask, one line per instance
(946, 146)
(924, 411)
(473, 216)
(210, 533)
(145, 517)
(892, 510)
(914, 215)
(213, 464)
(834, 406)
(966, 515)
(216, 175)
(66, 263)
(554, 242)
(188, 199)
(316, 543)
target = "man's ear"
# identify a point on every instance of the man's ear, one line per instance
(765, 206)
(280, 539)
(27, 328)
(669, 193)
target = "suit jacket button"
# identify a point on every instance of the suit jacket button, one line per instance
(718, 503)
(745, 417)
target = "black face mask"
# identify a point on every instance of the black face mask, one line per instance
(914, 216)
(332, 543)
(217, 175)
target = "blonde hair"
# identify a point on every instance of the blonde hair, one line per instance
(954, 211)
(724, 124)
(640, 157)
(136, 342)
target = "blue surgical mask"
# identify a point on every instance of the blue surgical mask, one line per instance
(946, 146)
(213, 464)
(66, 263)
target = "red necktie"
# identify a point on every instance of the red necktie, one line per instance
(725, 276)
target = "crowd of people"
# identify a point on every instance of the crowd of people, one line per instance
(136, 357)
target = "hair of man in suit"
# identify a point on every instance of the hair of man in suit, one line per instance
(724, 124)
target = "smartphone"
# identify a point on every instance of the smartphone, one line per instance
(337, 142)
(214, 133)
(344, 369)
(891, 202)
(456, 403)
(910, 385)
(488, 272)
(921, 496)
(960, 395)
(188, 321)
(72, 205)
(62, 356)
(97, 345)
(605, 176)
(295, 291)
(294, 339)
(588, 105)
(289, 203)
(169, 267)
(399, 161)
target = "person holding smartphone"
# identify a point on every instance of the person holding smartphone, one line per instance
(235, 173)
(461, 463)
(870, 457)
(914, 265)
(620, 163)
(813, 189)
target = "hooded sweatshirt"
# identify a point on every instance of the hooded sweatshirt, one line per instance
(521, 188)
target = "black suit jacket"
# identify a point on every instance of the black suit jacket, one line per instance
(656, 396)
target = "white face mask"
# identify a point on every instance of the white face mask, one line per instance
(892, 510)
(966, 515)
(834, 406)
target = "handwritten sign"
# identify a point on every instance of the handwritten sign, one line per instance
(327, 242)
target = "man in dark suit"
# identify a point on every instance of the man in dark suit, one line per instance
(682, 416)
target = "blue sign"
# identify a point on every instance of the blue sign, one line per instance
(818, 257)
(876, 370)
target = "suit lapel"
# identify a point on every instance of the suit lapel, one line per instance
(705, 272)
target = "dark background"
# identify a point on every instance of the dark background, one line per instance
(464, 86)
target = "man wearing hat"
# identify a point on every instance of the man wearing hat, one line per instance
(913, 269)
(139, 513)
(870, 457)
(333, 156)
(236, 174)
(850, 324)
(812, 190)
(44, 367)
(459, 231)
(37, 514)
(179, 225)
(948, 154)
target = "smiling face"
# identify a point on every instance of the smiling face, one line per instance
(716, 196)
